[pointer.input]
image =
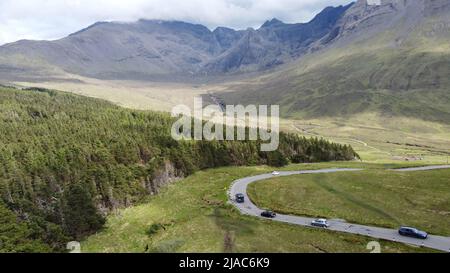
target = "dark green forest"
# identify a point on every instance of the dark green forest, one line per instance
(67, 161)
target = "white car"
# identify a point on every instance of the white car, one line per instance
(323, 223)
(276, 173)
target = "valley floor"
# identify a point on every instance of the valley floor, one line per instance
(375, 137)
(380, 139)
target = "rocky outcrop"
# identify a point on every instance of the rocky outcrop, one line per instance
(362, 20)
(164, 176)
(274, 43)
(359, 18)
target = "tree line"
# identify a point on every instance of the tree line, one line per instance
(67, 160)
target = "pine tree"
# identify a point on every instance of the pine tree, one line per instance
(81, 215)
(16, 236)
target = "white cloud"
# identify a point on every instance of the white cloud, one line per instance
(53, 19)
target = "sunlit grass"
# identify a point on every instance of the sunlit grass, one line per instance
(197, 218)
(374, 197)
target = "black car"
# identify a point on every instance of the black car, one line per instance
(240, 198)
(268, 214)
(412, 232)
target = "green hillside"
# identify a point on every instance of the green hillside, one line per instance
(391, 73)
(66, 161)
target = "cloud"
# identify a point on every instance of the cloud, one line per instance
(53, 19)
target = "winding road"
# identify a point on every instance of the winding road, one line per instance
(249, 208)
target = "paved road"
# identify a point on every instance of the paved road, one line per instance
(248, 208)
(427, 168)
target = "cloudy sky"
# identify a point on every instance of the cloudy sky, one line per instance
(53, 19)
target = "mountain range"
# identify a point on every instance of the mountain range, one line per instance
(392, 58)
(149, 49)
(154, 49)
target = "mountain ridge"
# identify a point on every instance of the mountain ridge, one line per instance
(155, 48)
(392, 59)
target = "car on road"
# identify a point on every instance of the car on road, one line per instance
(240, 198)
(323, 223)
(275, 173)
(268, 214)
(413, 232)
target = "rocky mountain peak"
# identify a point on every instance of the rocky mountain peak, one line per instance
(433, 7)
(271, 23)
(361, 4)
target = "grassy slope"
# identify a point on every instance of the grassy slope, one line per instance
(130, 94)
(374, 197)
(376, 75)
(196, 218)
(381, 140)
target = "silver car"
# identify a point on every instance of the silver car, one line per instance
(323, 223)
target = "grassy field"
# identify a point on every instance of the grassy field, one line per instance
(130, 94)
(193, 216)
(381, 140)
(374, 197)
